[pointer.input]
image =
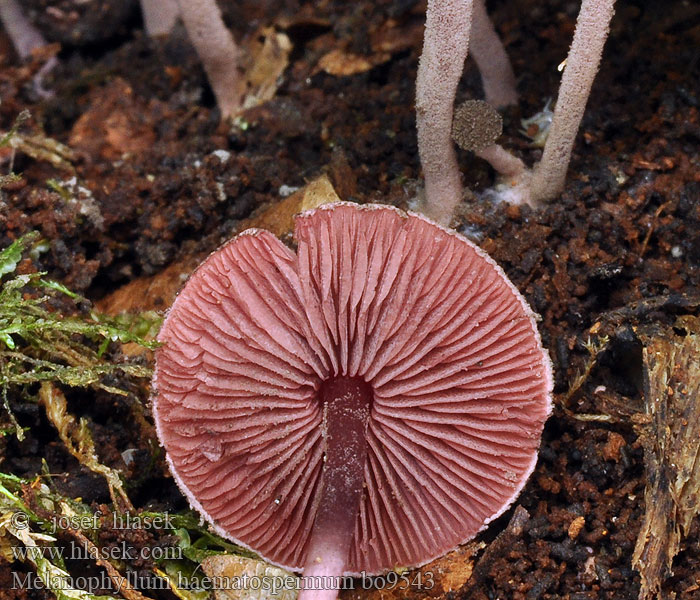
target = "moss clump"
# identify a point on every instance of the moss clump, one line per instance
(39, 343)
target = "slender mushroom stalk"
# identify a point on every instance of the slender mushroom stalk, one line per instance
(217, 50)
(372, 400)
(445, 47)
(472, 127)
(490, 56)
(25, 37)
(502, 161)
(592, 28)
(159, 16)
(346, 403)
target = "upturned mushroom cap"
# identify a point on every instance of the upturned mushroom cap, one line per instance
(440, 348)
(476, 125)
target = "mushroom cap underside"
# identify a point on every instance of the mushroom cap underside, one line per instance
(461, 385)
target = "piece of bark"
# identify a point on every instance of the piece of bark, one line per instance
(671, 450)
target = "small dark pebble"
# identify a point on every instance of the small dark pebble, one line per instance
(538, 528)
(601, 569)
(538, 590)
(569, 552)
(575, 455)
(547, 453)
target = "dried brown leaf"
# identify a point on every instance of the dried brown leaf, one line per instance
(268, 57)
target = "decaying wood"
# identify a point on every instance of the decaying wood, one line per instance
(672, 451)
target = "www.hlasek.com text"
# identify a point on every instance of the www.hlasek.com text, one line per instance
(119, 552)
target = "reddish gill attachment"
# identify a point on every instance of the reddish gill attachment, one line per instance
(369, 402)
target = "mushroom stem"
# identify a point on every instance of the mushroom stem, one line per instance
(490, 56)
(346, 405)
(25, 37)
(217, 50)
(501, 160)
(445, 45)
(159, 16)
(592, 28)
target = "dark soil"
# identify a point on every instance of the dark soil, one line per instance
(624, 236)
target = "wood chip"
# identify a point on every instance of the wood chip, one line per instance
(114, 124)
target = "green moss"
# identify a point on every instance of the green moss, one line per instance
(67, 346)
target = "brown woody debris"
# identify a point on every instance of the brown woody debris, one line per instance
(672, 451)
(258, 580)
